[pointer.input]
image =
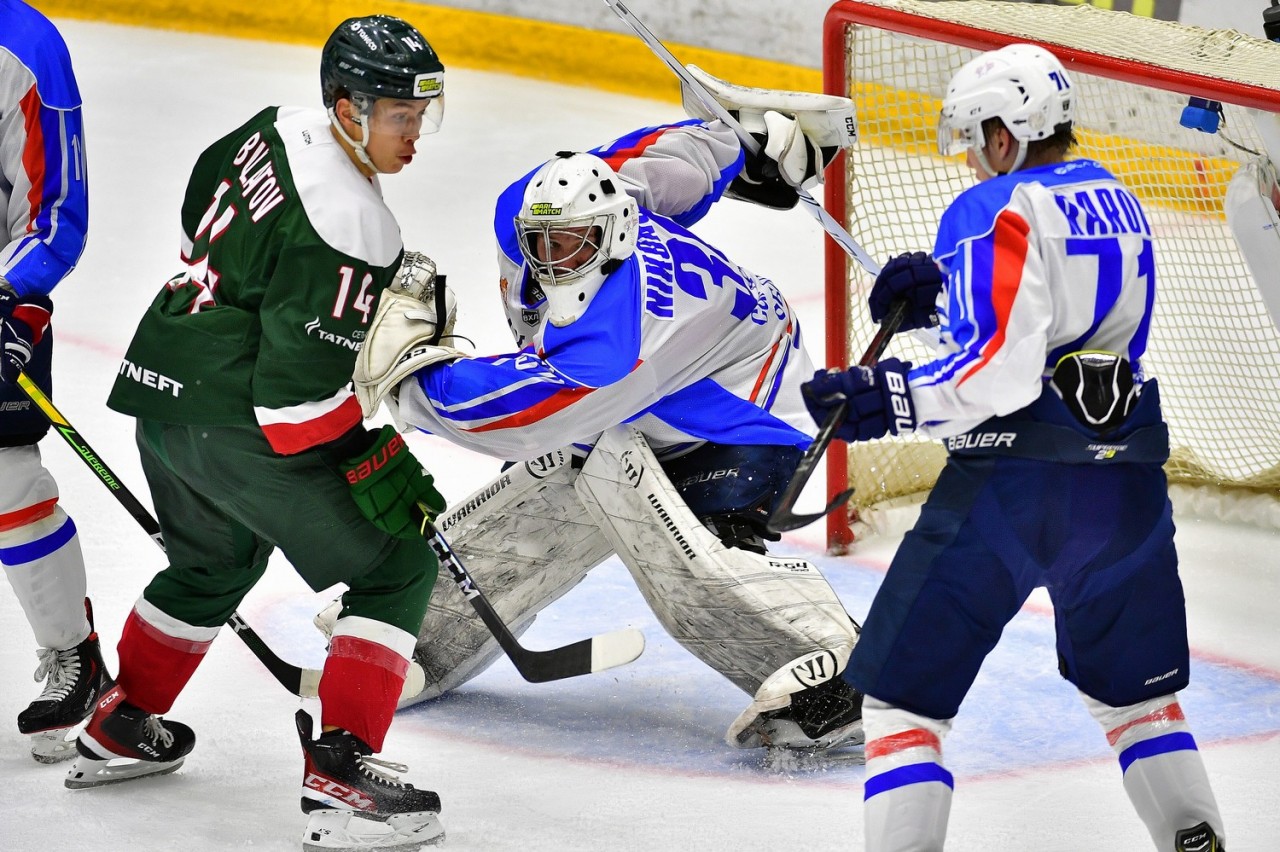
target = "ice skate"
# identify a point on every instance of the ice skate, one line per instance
(821, 718)
(122, 742)
(74, 678)
(1199, 838)
(354, 803)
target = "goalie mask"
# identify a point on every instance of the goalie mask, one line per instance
(576, 225)
(375, 57)
(1023, 85)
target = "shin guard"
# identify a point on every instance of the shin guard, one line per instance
(907, 793)
(1164, 774)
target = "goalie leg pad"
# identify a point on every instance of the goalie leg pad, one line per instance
(744, 614)
(526, 541)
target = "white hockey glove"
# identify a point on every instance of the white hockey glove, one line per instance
(414, 314)
(799, 134)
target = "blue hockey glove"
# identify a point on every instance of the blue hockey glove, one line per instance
(878, 397)
(387, 482)
(914, 277)
(23, 320)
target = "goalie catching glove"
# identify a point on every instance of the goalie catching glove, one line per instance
(414, 315)
(799, 133)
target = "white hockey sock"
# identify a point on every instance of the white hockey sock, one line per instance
(908, 791)
(43, 563)
(1164, 774)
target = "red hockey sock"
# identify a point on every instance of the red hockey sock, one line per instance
(361, 687)
(155, 666)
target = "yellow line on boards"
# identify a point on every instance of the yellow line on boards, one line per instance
(523, 47)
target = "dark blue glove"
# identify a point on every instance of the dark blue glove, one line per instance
(23, 320)
(879, 399)
(914, 277)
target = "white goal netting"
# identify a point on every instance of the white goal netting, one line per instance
(1214, 346)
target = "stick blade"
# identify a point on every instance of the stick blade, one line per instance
(786, 521)
(587, 656)
(618, 648)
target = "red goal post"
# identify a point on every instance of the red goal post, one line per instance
(1213, 345)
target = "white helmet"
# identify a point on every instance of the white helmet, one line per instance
(576, 224)
(1022, 84)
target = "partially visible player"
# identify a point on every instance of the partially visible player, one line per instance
(1043, 280)
(251, 439)
(1253, 212)
(44, 201)
(676, 372)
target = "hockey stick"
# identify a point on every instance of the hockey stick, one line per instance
(783, 518)
(584, 657)
(816, 210)
(299, 681)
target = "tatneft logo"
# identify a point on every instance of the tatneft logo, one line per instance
(313, 329)
(150, 378)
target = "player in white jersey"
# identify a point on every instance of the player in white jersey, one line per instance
(1041, 285)
(676, 372)
(44, 204)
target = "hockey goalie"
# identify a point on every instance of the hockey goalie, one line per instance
(654, 402)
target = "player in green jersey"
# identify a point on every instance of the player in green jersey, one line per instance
(251, 439)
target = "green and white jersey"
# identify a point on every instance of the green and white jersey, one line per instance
(288, 247)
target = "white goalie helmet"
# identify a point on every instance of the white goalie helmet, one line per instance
(576, 224)
(1022, 84)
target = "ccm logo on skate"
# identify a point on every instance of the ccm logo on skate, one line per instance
(341, 792)
(370, 466)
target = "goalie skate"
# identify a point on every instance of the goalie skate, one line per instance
(354, 803)
(820, 718)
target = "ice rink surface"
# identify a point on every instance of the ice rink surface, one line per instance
(631, 759)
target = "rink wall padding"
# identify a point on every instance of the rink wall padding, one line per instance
(520, 46)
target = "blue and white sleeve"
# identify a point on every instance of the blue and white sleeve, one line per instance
(42, 149)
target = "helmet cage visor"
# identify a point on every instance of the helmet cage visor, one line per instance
(561, 252)
(955, 137)
(398, 117)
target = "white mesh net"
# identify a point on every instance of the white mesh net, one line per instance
(1213, 345)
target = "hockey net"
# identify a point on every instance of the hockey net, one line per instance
(1214, 346)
